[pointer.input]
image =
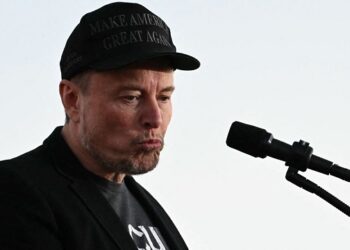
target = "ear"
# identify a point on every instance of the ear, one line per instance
(70, 97)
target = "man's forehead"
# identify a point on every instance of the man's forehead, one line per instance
(133, 78)
(138, 72)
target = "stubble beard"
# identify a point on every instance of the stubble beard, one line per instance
(139, 162)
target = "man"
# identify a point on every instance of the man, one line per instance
(75, 192)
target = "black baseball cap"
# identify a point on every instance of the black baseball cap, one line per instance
(119, 34)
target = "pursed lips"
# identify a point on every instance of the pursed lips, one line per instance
(151, 143)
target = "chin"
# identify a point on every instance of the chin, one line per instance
(146, 164)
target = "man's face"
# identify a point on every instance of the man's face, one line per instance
(124, 115)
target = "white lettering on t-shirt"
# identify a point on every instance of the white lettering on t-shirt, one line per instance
(142, 235)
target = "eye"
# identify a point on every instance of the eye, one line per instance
(164, 98)
(131, 98)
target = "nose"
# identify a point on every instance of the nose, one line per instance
(151, 116)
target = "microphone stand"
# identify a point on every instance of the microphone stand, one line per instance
(300, 160)
(294, 177)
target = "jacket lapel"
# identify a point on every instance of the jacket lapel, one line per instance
(69, 166)
(104, 214)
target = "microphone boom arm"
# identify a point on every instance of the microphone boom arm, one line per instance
(301, 158)
(294, 177)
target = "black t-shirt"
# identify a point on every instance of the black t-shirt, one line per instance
(140, 227)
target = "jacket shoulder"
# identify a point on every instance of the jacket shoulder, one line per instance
(24, 164)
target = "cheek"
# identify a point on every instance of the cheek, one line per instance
(102, 117)
(116, 118)
(167, 114)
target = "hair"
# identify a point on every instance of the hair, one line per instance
(82, 80)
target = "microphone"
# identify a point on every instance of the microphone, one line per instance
(258, 142)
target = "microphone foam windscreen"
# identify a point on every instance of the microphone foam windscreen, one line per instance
(248, 139)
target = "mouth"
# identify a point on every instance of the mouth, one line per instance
(151, 144)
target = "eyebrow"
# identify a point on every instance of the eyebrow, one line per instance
(138, 88)
(168, 89)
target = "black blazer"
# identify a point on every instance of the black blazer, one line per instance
(47, 202)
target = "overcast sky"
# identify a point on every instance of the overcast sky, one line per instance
(282, 65)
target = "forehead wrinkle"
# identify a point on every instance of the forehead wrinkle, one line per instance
(144, 79)
(135, 79)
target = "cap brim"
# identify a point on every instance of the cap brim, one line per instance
(177, 61)
(183, 61)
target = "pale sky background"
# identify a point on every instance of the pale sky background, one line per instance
(282, 65)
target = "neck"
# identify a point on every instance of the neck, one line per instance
(71, 136)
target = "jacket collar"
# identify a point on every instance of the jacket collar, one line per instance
(69, 166)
